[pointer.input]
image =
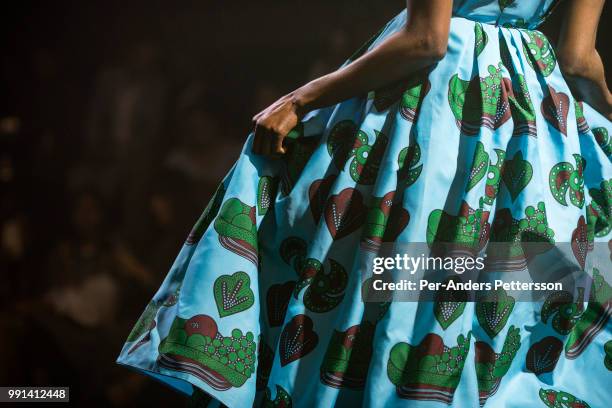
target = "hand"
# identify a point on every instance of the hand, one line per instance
(273, 124)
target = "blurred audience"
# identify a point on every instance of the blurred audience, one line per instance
(125, 135)
(89, 225)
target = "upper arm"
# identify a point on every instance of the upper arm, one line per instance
(431, 19)
(579, 30)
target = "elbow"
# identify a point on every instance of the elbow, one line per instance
(435, 48)
(569, 65)
(573, 63)
(430, 46)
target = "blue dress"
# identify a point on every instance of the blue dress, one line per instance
(263, 306)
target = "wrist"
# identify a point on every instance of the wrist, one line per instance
(304, 98)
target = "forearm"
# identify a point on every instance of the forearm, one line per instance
(400, 55)
(420, 43)
(578, 58)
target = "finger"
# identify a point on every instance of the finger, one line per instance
(257, 116)
(264, 111)
(269, 110)
(278, 145)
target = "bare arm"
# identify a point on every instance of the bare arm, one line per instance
(422, 42)
(579, 60)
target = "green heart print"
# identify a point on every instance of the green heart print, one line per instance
(516, 174)
(233, 293)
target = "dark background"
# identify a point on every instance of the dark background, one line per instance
(117, 121)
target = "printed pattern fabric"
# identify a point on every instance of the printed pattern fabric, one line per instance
(262, 306)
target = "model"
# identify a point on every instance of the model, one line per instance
(458, 122)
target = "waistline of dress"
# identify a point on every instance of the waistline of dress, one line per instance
(497, 24)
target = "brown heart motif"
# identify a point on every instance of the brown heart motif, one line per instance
(297, 339)
(345, 213)
(580, 243)
(318, 193)
(543, 356)
(503, 112)
(277, 301)
(555, 108)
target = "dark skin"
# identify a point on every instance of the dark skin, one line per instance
(422, 42)
(579, 60)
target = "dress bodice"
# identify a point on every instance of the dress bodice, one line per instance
(514, 13)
